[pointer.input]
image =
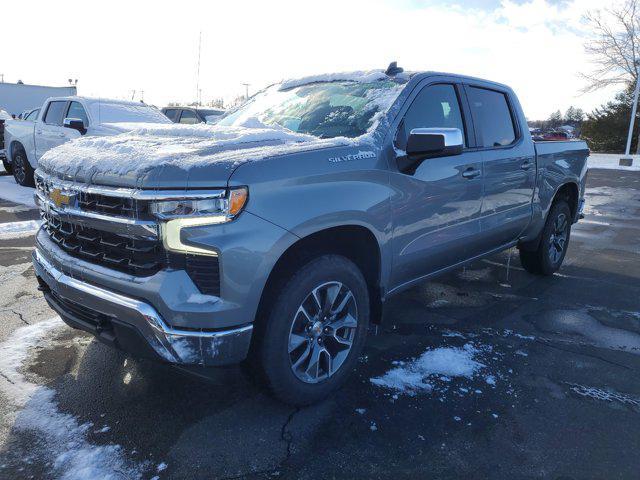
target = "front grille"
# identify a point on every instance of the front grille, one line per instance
(126, 252)
(130, 255)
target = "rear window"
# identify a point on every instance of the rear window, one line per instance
(492, 114)
(55, 112)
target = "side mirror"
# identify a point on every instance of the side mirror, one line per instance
(426, 143)
(75, 124)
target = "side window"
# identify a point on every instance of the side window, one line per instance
(76, 110)
(55, 113)
(33, 116)
(188, 117)
(491, 111)
(172, 113)
(436, 106)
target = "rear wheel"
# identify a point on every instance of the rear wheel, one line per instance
(22, 170)
(315, 331)
(554, 241)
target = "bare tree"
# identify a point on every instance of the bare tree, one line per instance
(615, 46)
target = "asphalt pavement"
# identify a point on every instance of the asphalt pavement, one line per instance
(554, 390)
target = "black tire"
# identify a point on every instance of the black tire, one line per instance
(7, 166)
(274, 360)
(22, 170)
(554, 241)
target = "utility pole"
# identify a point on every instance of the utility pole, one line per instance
(627, 160)
(1, 77)
(246, 86)
(198, 70)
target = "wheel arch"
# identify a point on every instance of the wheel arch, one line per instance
(355, 242)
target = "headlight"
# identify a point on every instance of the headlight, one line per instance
(179, 214)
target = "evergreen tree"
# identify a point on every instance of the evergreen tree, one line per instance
(606, 128)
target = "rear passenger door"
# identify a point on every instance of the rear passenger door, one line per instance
(436, 210)
(509, 169)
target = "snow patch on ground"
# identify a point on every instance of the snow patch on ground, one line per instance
(62, 440)
(610, 161)
(11, 191)
(606, 395)
(19, 229)
(444, 362)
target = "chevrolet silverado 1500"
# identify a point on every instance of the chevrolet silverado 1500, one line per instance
(276, 235)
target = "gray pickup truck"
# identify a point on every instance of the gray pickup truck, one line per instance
(275, 236)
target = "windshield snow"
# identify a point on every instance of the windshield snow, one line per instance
(325, 110)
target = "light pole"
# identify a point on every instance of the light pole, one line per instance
(246, 86)
(627, 161)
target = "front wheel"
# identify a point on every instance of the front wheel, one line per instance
(22, 169)
(554, 241)
(315, 330)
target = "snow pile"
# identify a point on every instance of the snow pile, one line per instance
(62, 440)
(610, 161)
(11, 191)
(147, 146)
(19, 229)
(412, 377)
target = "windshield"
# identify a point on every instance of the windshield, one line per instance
(326, 110)
(127, 112)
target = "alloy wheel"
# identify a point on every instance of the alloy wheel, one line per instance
(558, 238)
(19, 170)
(322, 332)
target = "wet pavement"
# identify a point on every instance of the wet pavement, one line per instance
(557, 394)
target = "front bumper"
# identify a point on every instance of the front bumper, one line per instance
(133, 325)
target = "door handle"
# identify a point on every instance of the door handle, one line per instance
(39, 132)
(470, 173)
(60, 135)
(526, 165)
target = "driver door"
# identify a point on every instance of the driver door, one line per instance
(436, 210)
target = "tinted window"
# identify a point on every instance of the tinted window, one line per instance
(55, 112)
(33, 116)
(435, 106)
(188, 117)
(491, 112)
(76, 110)
(172, 113)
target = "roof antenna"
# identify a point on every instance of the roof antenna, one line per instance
(393, 69)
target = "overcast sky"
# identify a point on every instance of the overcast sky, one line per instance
(115, 47)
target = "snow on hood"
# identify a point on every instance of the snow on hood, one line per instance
(143, 147)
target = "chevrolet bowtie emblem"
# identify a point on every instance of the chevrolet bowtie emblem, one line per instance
(59, 199)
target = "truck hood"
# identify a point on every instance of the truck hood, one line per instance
(172, 156)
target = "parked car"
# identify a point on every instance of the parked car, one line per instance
(276, 235)
(556, 135)
(191, 115)
(64, 119)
